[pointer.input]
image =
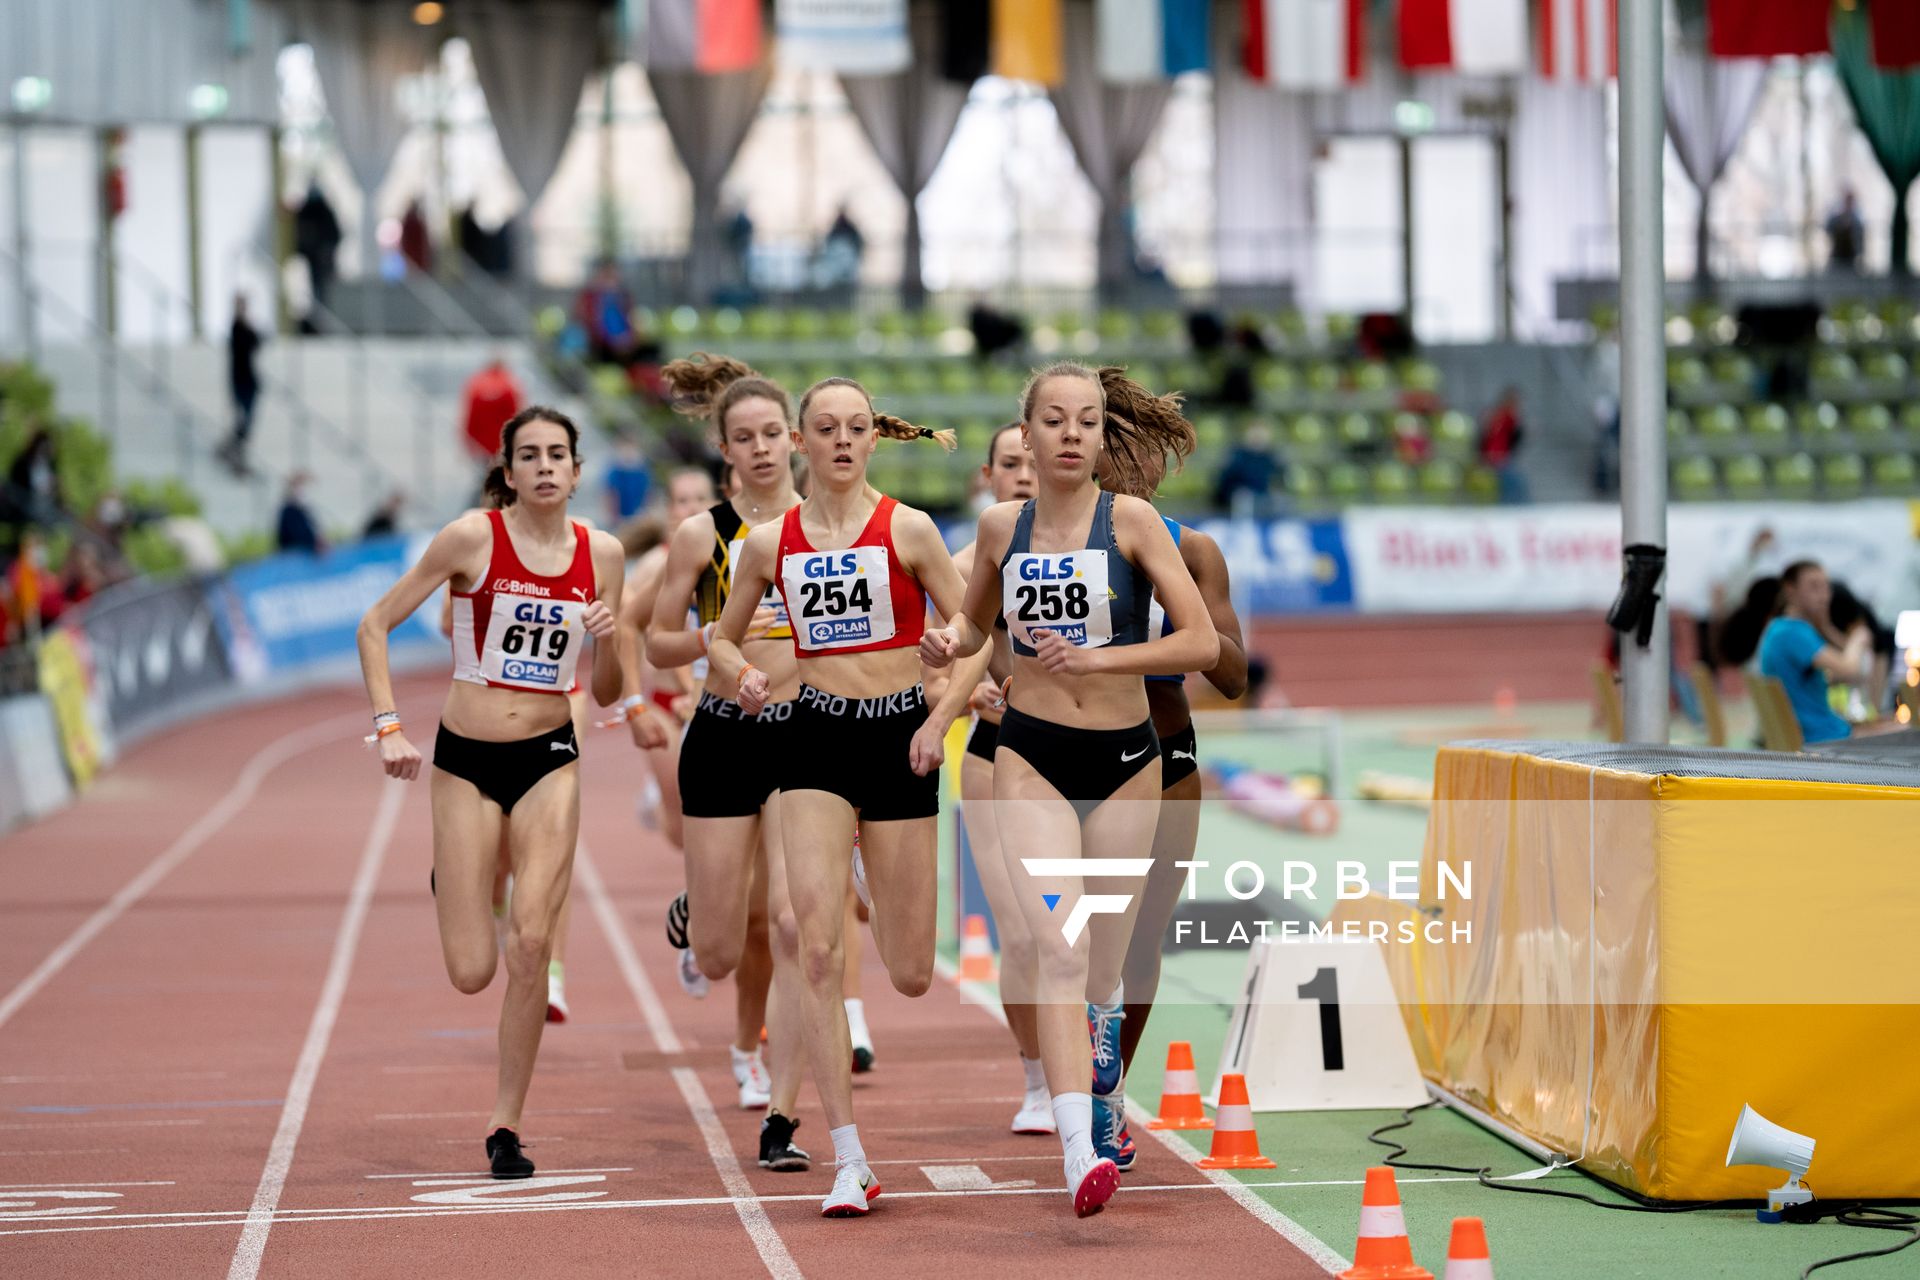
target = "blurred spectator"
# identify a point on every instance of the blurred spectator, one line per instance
(840, 253)
(492, 397)
(37, 596)
(1846, 234)
(416, 243)
(1500, 441)
(1798, 649)
(606, 312)
(86, 573)
(385, 520)
(34, 478)
(1247, 477)
(1411, 444)
(491, 251)
(628, 480)
(316, 237)
(297, 530)
(738, 230)
(1728, 596)
(243, 380)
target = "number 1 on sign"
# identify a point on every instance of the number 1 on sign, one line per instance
(1325, 987)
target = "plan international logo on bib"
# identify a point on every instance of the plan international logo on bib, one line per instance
(531, 672)
(838, 631)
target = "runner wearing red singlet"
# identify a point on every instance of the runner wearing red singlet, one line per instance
(854, 568)
(529, 587)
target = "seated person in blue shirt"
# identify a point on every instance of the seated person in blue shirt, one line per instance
(1798, 648)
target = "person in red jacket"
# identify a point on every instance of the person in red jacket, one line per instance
(492, 398)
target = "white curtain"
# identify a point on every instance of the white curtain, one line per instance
(361, 52)
(532, 60)
(1563, 218)
(1709, 101)
(1109, 126)
(910, 118)
(708, 117)
(1262, 173)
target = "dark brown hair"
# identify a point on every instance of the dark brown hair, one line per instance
(993, 441)
(707, 386)
(499, 493)
(1136, 424)
(886, 424)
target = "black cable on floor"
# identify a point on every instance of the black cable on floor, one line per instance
(1850, 1214)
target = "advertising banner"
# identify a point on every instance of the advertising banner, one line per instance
(295, 610)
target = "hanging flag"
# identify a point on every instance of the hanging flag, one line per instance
(1471, 37)
(1150, 39)
(1026, 40)
(703, 35)
(1306, 44)
(1767, 28)
(853, 37)
(964, 29)
(1579, 40)
(1896, 33)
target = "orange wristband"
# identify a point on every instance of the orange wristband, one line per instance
(743, 674)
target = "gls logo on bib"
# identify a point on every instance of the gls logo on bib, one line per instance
(1061, 592)
(839, 599)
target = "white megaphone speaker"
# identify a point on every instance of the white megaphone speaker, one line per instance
(1759, 1141)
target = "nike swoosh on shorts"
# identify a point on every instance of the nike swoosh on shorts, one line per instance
(1129, 759)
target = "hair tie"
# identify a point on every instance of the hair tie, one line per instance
(926, 433)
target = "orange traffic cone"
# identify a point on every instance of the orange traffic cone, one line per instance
(1383, 1252)
(1235, 1144)
(976, 953)
(1467, 1257)
(1180, 1092)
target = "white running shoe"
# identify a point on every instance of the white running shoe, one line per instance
(860, 889)
(557, 1010)
(1035, 1114)
(854, 1186)
(1092, 1180)
(756, 1086)
(692, 981)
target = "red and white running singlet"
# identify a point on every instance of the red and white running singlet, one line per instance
(852, 601)
(517, 630)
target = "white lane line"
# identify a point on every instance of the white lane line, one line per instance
(484, 1173)
(482, 1115)
(79, 1076)
(275, 754)
(231, 1217)
(273, 1178)
(48, 1186)
(1241, 1193)
(766, 1241)
(108, 1124)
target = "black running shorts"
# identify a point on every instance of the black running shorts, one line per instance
(729, 761)
(857, 749)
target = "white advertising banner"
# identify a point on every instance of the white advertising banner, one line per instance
(1539, 559)
(853, 37)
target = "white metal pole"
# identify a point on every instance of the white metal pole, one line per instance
(1643, 376)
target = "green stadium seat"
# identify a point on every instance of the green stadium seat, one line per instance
(1886, 372)
(843, 326)
(1793, 476)
(1323, 377)
(1894, 473)
(1293, 328)
(931, 325)
(682, 323)
(766, 324)
(548, 324)
(1746, 477)
(1835, 368)
(1345, 482)
(1006, 380)
(1605, 317)
(1843, 475)
(1815, 422)
(1711, 323)
(1278, 382)
(1420, 375)
(894, 326)
(1309, 431)
(1303, 484)
(1733, 372)
(1910, 418)
(1357, 430)
(975, 435)
(1149, 374)
(1163, 326)
(1768, 422)
(1718, 422)
(1392, 481)
(1115, 327)
(1687, 374)
(1215, 430)
(1679, 424)
(1870, 424)
(876, 377)
(1694, 479)
(610, 382)
(955, 378)
(1483, 484)
(806, 324)
(1190, 378)
(725, 323)
(1373, 375)
(1409, 426)
(1442, 480)
(1454, 436)
(915, 378)
(1897, 315)
(1340, 327)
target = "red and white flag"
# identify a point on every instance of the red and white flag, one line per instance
(1471, 37)
(1579, 40)
(1306, 44)
(1768, 28)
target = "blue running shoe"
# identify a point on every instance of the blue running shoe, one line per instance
(1103, 1027)
(1111, 1141)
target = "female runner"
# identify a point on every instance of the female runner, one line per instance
(529, 586)
(855, 569)
(1077, 769)
(1117, 1029)
(736, 878)
(1010, 478)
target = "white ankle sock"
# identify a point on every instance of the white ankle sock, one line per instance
(741, 1058)
(1113, 1002)
(857, 1022)
(1036, 1074)
(1073, 1116)
(846, 1144)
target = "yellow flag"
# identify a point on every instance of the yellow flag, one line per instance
(1027, 41)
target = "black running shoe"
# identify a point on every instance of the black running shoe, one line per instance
(777, 1151)
(677, 922)
(503, 1149)
(862, 1059)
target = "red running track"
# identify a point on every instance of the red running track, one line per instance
(228, 1046)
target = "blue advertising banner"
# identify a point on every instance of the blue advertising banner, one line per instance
(295, 610)
(1285, 566)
